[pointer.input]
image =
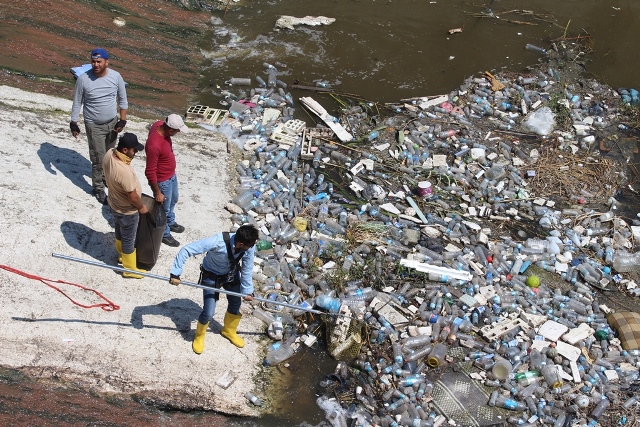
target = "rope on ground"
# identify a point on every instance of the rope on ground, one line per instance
(108, 306)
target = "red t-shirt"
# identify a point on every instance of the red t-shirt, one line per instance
(161, 162)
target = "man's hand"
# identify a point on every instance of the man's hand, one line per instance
(75, 129)
(248, 297)
(120, 125)
(160, 197)
(143, 210)
(174, 280)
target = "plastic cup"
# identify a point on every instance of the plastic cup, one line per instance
(424, 188)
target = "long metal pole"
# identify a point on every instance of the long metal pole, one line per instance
(195, 285)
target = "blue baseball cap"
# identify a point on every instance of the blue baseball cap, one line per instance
(99, 53)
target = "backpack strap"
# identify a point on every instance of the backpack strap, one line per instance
(233, 261)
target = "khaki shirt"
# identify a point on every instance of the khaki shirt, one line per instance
(121, 180)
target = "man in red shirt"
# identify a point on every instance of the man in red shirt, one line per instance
(161, 170)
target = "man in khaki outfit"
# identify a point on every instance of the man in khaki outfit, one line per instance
(124, 198)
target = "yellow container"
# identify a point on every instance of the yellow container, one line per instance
(299, 223)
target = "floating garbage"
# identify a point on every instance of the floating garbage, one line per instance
(454, 239)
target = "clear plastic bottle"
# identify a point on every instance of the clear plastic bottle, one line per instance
(253, 398)
(279, 354)
(506, 403)
(624, 262)
(437, 354)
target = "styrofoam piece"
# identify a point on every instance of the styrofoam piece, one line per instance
(568, 351)
(495, 331)
(611, 375)
(197, 112)
(311, 340)
(381, 303)
(357, 168)
(468, 300)
(389, 207)
(578, 334)
(539, 344)
(439, 160)
(328, 119)
(428, 268)
(533, 320)
(284, 138)
(552, 330)
(226, 379)
(294, 127)
(575, 372)
(433, 102)
(306, 151)
(563, 374)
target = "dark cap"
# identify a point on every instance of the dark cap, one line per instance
(130, 140)
(99, 53)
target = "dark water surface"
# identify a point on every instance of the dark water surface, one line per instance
(383, 51)
(393, 49)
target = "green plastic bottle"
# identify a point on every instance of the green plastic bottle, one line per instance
(527, 374)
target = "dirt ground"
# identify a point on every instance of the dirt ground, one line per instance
(144, 347)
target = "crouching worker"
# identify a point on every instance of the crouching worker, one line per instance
(228, 263)
(124, 198)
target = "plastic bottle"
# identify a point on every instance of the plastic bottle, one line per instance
(506, 403)
(624, 262)
(437, 354)
(328, 303)
(279, 354)
(550, 374)
(599, 409)
(236, 81)
(253, 399)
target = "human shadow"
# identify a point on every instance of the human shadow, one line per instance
(68, 162)
(181, 311)
(97, 245)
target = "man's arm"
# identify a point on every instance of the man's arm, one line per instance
(136, 200)
(196, 248)
(151, 169)
(123, 104)
(246, 273)
(78, 98)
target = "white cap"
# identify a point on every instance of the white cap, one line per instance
(174, 121)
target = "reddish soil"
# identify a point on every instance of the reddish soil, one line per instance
(156, 51)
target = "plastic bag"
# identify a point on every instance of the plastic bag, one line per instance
(541, 122)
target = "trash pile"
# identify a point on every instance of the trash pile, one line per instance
(459, 245)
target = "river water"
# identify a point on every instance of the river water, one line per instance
(388, 50)
(382, 51)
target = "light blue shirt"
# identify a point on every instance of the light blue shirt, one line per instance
(99, 97)
(216, 259)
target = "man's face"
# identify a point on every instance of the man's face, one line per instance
(129, 152)
(99, 65)
(244, 246)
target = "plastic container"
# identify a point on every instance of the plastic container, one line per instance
(278, 355)
(501, 369)
(328, 303)
(551, 376)
(625, 262)
(424, 189)
(437, 354)
(238, 81)
(253, 399)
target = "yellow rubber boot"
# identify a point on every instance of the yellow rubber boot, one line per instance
(231, 322)
(119, 249)
(198, 340)
(129, 262)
